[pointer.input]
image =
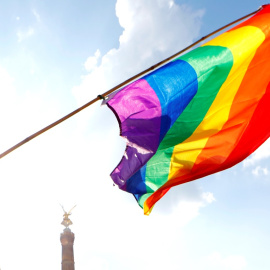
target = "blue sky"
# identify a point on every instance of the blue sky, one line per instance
(58, 55)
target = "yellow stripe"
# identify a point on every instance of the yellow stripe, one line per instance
(243, 43)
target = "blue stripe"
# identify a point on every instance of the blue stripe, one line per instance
(175, 85)
(136, 184)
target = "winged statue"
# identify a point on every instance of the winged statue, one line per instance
(66, 221)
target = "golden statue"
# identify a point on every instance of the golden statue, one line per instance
(66, 221)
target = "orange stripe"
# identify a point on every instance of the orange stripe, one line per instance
(242, 109)
(244, 105)
(243, 43)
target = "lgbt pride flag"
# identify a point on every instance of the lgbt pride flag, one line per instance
(199, 114)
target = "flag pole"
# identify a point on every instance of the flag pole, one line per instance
(137, 76)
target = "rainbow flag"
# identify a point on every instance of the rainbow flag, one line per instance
(199, 114)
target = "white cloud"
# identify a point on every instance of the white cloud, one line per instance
(260, 171)
(152, 31)
(22, 114)
(6, 82)
(188, 209)
(7, 97)
(208, 197)
(22, 35)
(217, 261)
(262, 152)
(97, 263)
(36, 14)
(92, 61)
(183, 201)
(19, 115)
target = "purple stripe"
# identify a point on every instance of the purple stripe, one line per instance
(138, 111)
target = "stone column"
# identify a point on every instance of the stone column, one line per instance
(67, 240)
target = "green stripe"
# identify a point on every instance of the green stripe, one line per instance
(212, 65)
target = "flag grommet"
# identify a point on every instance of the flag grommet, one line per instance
(101, 97)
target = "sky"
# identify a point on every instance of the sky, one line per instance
(56, 56)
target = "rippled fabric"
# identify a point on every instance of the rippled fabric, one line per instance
(199, 114)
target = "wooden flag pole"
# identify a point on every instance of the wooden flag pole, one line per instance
(121, 85)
